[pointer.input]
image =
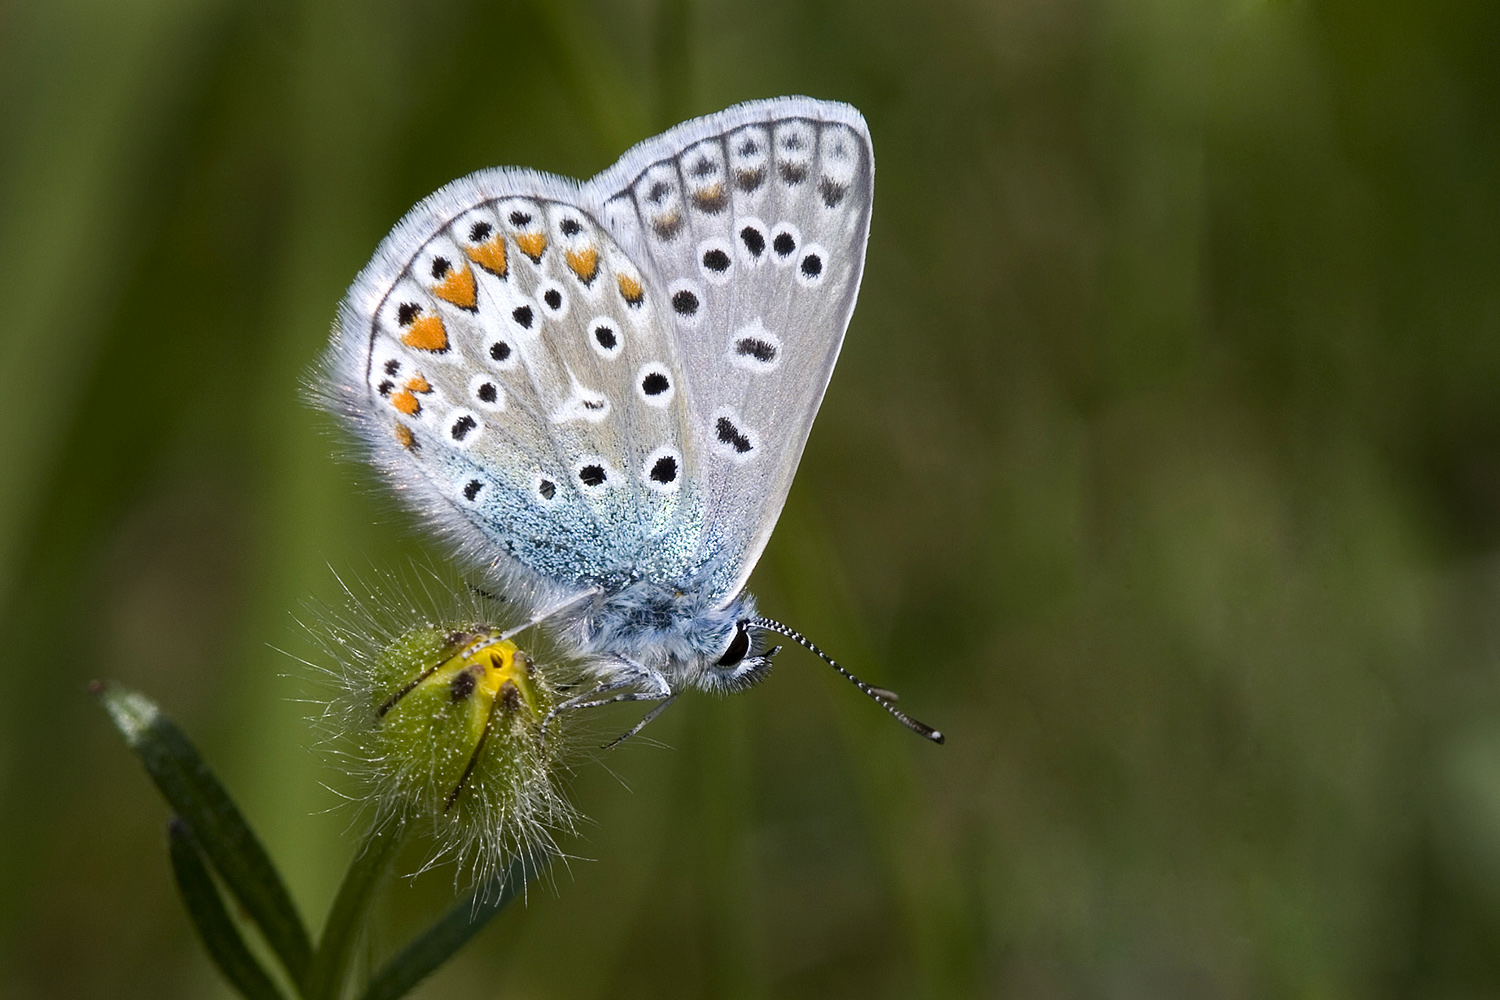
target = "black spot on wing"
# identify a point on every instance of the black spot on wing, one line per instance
(729, 434)
(754, 347)
(462, 426)
(665, 470)
(832, 192)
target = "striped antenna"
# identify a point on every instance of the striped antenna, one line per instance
(880, 696)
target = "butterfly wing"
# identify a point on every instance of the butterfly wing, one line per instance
(751, 227)
(584, 385)
(504, 362)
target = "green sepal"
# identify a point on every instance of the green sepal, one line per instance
(451, 932)
(222, 834)
(221, 938)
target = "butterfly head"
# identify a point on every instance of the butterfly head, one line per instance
(744, 662)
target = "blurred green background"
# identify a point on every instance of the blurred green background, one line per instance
(1161, 470)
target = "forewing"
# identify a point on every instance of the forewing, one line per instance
(750, 226)
(508, 365)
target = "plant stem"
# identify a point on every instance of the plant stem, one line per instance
(441, 941)
(347, 917)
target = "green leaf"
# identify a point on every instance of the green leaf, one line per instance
(346, 919)
(193, 792)
(220, 937)
(439, 942)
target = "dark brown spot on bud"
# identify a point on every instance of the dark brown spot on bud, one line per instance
(462, 685)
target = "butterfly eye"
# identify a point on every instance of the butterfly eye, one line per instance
(738, 647)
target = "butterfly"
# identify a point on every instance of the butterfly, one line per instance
(600, 391)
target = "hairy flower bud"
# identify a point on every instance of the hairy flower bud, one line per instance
(462, 721)
(442, 722)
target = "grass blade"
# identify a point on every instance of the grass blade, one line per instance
(222, 834)
(219, 935)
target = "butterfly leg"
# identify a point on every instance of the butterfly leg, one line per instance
(649, 718)
(600, 695)
(588, 699)
(478, 591)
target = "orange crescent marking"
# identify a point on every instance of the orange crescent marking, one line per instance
(532, 244)
(404, 436)
(489, 255)
(426, 333)
(631, 289)
(711, 198)
(418, 383)
(406, 403)
(585, 263)
(457, 288)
